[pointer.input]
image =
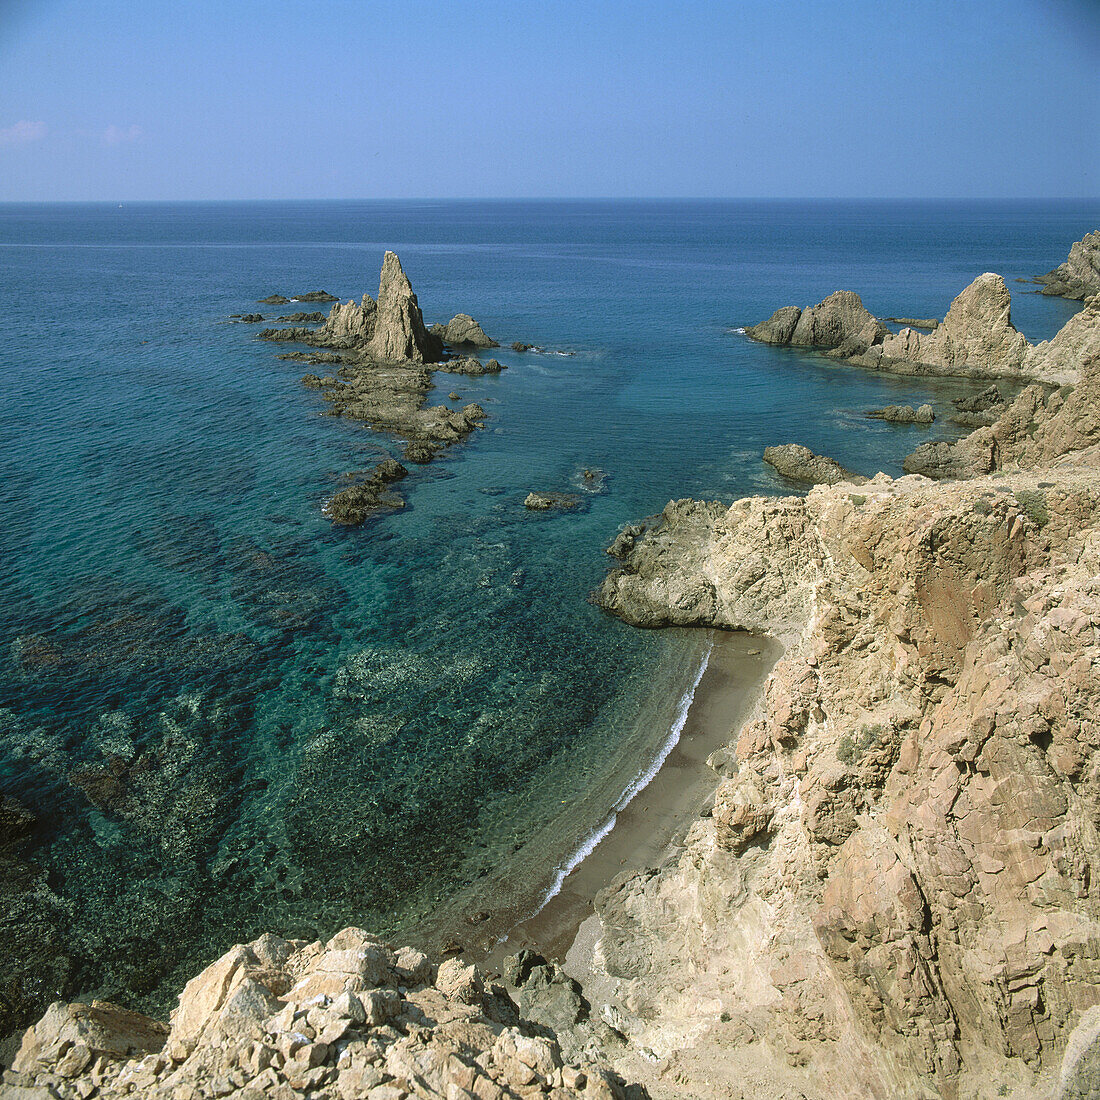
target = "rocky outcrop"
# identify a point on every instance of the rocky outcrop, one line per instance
(840, 319)
(333, 1021)
(399, 333)
(977, 336)
(302, 318)
(463, 331)
(1079, 276)
(975, 340)
(801, 464)
(386, 357)
(368, 495)
(1038, 427)
(904, 414)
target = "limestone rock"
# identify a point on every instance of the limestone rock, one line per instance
(801, 464)
(1079, 276)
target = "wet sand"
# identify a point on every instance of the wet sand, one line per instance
(655, 822)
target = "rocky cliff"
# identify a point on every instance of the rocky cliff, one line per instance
(1079, 276)
(896, 892)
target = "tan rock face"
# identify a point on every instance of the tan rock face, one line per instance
(344, 1019)
(838, 319)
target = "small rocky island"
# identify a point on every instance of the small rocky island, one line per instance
(385, 357)
(1079, 276)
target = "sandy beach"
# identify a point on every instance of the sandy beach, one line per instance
(649, 828)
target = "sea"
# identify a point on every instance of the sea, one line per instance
(229, 716)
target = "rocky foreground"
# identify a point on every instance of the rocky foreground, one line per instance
(350, 1019)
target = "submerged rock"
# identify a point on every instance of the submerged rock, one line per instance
(801, 464)
(543, 502)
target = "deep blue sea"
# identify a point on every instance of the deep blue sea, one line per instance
(231, 717)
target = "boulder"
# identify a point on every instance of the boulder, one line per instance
(462, 330)
(801, 464)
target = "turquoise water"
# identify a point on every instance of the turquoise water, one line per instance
(230, 717)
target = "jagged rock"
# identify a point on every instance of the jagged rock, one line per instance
(520, 347)
(801, 464)
(274, 300)
(839, 318)
(300, 318)
(399, 332)
(1079, 276)
(977, 335)
(368, 496)
(420, 452)
(251, 318)
(904, 414)
(349, 325)
(462, 330)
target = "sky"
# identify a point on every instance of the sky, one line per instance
(237, 99)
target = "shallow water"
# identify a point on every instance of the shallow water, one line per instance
(231, 717)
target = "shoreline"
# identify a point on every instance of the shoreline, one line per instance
(654, 815)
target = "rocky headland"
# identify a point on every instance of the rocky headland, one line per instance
(895, 894)
(386, 356)
(1079, 276)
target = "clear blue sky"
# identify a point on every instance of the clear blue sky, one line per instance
(103, 99)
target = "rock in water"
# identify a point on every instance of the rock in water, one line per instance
(839, 319)
(800, 463)
(1079, 276)
(543, 502)
(349, 325)
(399, 332)
(462, 329)
(904, 414)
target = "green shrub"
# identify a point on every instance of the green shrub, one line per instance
(857, 499)
(1033, 503)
